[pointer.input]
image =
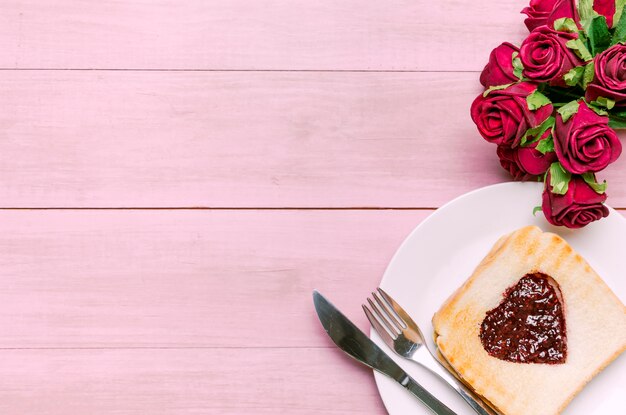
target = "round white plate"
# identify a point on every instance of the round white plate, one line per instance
(441, 253)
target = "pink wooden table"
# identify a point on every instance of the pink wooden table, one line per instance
(177, 176)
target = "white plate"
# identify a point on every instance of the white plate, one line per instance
(443, 251)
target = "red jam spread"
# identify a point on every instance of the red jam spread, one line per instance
(528, 326)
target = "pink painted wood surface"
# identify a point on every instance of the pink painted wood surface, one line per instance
(186, 312)
(238, 104)
(199, 278)
(238, 381)
(447, 35)
(244, 139)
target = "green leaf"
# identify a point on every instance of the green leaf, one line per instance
(565, 24)
(590, 179)
(546, 145)
(568, 110)
(586, 12)
(619, 113)
(537, 100)
(579, 48)
(574, 75)
(619, 35)
(559, 178)
(588, 74)
(495, 88)
(533, 134)
(518, 68)
(619, 8)
(617, 122)
(585, 9)
(599, 35)
(536, 209)
(607, 103)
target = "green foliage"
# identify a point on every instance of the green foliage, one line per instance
(495, 88)
(565, 24)
(607, 103)
(590, 179)
(579, 48)
(533, 134)
(598, 35)
(619, 35)
(546, 145)
(568, 110)
(559, 178)
(574, 76)
(537, 100)
(588, 74)
(518, 68)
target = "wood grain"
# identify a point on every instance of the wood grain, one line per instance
(333, 35)
(187, 278)
(187, 312)
(188, 381)
(279, 105)
(224, 139)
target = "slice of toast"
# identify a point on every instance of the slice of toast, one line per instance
(595, 325)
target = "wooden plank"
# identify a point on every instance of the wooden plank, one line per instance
(121, 278)
(270, 35)
(189, 381)
(224, 139)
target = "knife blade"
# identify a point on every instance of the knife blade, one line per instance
(356, 344)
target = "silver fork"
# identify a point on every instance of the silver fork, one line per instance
(402, 335)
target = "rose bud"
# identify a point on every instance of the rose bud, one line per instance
(610, 76)
(499, 69)
(545, 56)
(502, 117)
(525, 163)
(538, 12)
(585, 143)
(578, 207)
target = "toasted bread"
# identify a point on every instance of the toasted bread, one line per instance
(595, 325)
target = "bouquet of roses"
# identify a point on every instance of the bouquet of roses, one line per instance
(552, 104)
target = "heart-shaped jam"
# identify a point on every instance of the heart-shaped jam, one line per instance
(528, 326)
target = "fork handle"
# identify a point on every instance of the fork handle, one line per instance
(431, 363)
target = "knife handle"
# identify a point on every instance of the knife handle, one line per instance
(434, 404)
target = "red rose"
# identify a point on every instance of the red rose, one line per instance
(585, 143)
(499, 69)
(525, 163)
(610, 76)
(502, 117)
(563, 9)
(538, 12)
(546, 12)
(578, 207)
(545, 56)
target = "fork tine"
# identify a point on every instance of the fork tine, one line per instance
(384, 319)
(380, 329)
(390, 312)
(399, 311)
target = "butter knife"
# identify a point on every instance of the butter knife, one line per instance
(356, 344)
